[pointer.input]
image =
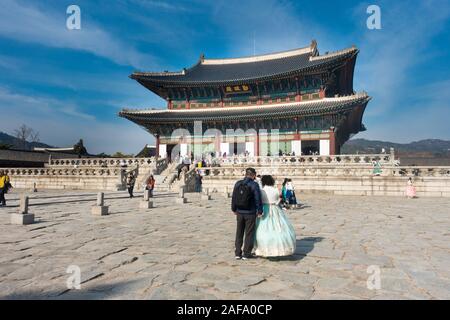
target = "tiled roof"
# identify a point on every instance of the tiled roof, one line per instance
(284, 110)
(248, 68)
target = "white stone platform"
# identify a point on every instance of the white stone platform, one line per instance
(186, 251)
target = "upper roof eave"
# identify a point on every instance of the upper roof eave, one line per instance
(312, 61)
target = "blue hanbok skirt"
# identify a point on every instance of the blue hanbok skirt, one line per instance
(275, 235)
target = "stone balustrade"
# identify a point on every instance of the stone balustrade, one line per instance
(335, 160)
(331, 170)
(105, 162)
(15, 172)
(65, 175)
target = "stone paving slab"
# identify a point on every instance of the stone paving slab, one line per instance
(176, 251)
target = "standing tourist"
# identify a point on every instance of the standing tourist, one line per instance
(131, 180)
(285, 202)
(410, 189)
(198, 181)
(5, 185)
(246, 205)
(290, 193)
(150, 184)
(275, 235)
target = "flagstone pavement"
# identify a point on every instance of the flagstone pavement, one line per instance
(176, 251)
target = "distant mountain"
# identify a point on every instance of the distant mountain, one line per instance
(433, 147)
(6, 139)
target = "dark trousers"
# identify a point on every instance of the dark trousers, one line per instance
(2, 197)
(245, 225)
(130, 191)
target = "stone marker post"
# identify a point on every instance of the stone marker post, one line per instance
(227, 193)
(23, 217)
(181, 199)
(206, 195)
(146, 203)
(100, 209)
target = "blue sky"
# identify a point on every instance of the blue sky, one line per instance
(70, 84)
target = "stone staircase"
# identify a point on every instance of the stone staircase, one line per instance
(166, 180)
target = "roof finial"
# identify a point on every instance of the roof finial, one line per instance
(202, 57)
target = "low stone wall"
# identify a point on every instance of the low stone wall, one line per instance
(349, 181)
(62, 174)
(111, 183)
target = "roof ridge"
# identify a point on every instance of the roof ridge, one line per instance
(262, 57)
(159, 73)
(333, 54)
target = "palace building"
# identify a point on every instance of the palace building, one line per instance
(293, 101)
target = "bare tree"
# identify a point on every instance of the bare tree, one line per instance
(34, 136)
(23, 133)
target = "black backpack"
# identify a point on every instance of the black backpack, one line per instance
(243, 196)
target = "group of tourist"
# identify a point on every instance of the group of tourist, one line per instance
(131, 181)
(260, 218)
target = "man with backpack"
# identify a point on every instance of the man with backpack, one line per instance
(247, 206)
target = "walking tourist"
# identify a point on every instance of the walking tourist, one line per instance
(410, 189)
(150, 184)
(198, 181)
(246, 205)
(131, 180)
(5, 185)
(275, 235)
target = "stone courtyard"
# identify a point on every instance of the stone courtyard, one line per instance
(176, 251)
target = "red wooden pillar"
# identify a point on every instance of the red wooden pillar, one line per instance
(157, 145)
(332, 142)
(217, 142)
(257, 144)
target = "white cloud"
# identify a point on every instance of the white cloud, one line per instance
(389, 56)
(428, 117)
(30, 24)
(60, 123)
(37, 105)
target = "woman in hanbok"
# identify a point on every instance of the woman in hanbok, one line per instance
(377, 168)
(275, 235)
(410, 189)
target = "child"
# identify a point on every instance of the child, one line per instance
(410, 189)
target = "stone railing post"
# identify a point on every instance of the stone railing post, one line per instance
(227, 194)
(206, 195)
(23, 217)
(181, 199)
(392, 156)
(100, 209)
(146, 203)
